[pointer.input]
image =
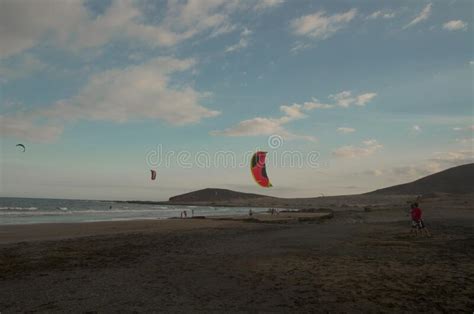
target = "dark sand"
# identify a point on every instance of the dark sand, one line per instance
(356, 262)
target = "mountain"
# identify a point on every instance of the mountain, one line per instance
(456, 180)
(214, 195)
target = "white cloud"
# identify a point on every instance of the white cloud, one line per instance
(321, 26)
(24, 127)
(471, 62)
(253, 127)
(268, 126)
(416, 171)
(345, 99)
(468, 128)
(455, 25)
(424, 14)
(69, 24)
(243, 42)
(437, 163)
(454, 158)
(24, 23)
(342, 99)
(381, 14)
(345, 130)
(368, 148)
(299, 46)
(136, 92)
(292, 112)
(363, 99)
(266, 4)
(416, 128)
(315, 104)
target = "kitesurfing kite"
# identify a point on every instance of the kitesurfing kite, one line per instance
(258, 169)
(153, 174)
(22, 147)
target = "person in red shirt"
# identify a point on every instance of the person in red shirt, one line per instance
(417, 224)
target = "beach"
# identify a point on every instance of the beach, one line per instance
(357, 261)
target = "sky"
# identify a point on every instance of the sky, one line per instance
(345, 96)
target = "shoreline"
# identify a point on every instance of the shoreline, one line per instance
(14, 233)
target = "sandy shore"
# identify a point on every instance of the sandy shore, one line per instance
(356, 262)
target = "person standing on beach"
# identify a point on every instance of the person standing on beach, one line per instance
(418, 226)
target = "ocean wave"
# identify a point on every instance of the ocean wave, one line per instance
(19, 208)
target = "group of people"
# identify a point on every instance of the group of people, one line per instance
(417, 225)
(184, 213)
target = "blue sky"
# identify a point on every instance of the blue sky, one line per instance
(380, 91)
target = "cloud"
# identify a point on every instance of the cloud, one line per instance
(437, 163)
(454, 158)
(363, 99)
(455, 25)
(24, 127)
(71, 25)
(321, 26)
(415, 171)
(381, 14)
(315, 104)
(299, 46)
(266, 4)
(345, 130)
(368, 148)
(424, 14)
(21, 67)
(136, 92)
(243, 42)
(416, 128)
(468, 128)
(268, 126)
(345, 99)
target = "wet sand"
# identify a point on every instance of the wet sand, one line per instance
(355, 262)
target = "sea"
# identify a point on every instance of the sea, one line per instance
(44, 210)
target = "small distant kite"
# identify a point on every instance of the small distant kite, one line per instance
(153, 174)
(22, 147)
(258, 169)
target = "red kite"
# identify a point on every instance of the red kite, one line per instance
(258, 169)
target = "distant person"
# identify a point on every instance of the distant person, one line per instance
(250, 212)
(192, 212)
(185, 214)
(417, 224)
